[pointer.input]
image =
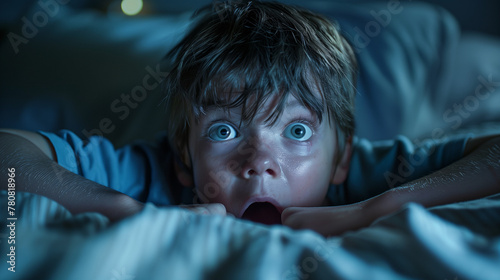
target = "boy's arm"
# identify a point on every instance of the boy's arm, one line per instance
(474, 176)
(36, 171)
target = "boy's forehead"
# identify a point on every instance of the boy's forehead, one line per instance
(291, 106)
(251, 100)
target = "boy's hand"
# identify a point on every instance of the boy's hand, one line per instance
(206, 209)
(328, 221)
(475, 176)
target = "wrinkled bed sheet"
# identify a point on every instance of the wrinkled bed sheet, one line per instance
(457, 241)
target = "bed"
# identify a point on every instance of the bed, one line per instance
(459, 241)
(414, 68)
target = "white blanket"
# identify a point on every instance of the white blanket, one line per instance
(458, 241)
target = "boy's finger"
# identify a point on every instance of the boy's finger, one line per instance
(206, 209)
(216, 208)
(291, 211)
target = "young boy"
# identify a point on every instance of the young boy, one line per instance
(260, 104)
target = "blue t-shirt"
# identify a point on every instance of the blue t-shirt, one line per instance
(145, 170)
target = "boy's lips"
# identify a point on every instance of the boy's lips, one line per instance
(262, 210)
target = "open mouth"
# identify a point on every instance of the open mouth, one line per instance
(262, 212)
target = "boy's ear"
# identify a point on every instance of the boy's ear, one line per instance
(342, 168)
(182, 167)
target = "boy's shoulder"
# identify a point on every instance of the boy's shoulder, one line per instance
(142, 169)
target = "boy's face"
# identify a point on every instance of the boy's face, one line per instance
(256, 170)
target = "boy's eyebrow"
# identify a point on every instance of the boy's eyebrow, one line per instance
(235, 113)
(294, 103)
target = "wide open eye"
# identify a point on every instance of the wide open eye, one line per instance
(221, 132)
(298, 131)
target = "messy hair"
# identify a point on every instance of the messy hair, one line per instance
(239, 50)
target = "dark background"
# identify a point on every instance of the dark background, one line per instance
(80, 63)
(480, 15)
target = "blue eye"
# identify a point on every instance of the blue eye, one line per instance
(221, 132)
(298, 131)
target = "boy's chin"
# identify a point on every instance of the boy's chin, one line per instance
(262, 212)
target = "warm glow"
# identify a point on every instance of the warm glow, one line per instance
(131, 7)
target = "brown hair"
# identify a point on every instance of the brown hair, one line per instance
(238, 49)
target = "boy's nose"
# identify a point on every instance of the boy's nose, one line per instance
(262, 163)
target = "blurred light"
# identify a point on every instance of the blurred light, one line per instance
(131, 7)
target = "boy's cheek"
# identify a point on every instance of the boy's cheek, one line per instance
(212, 181)
(309, 181)
(308, 194)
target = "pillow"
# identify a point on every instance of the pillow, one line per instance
(403, 52)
